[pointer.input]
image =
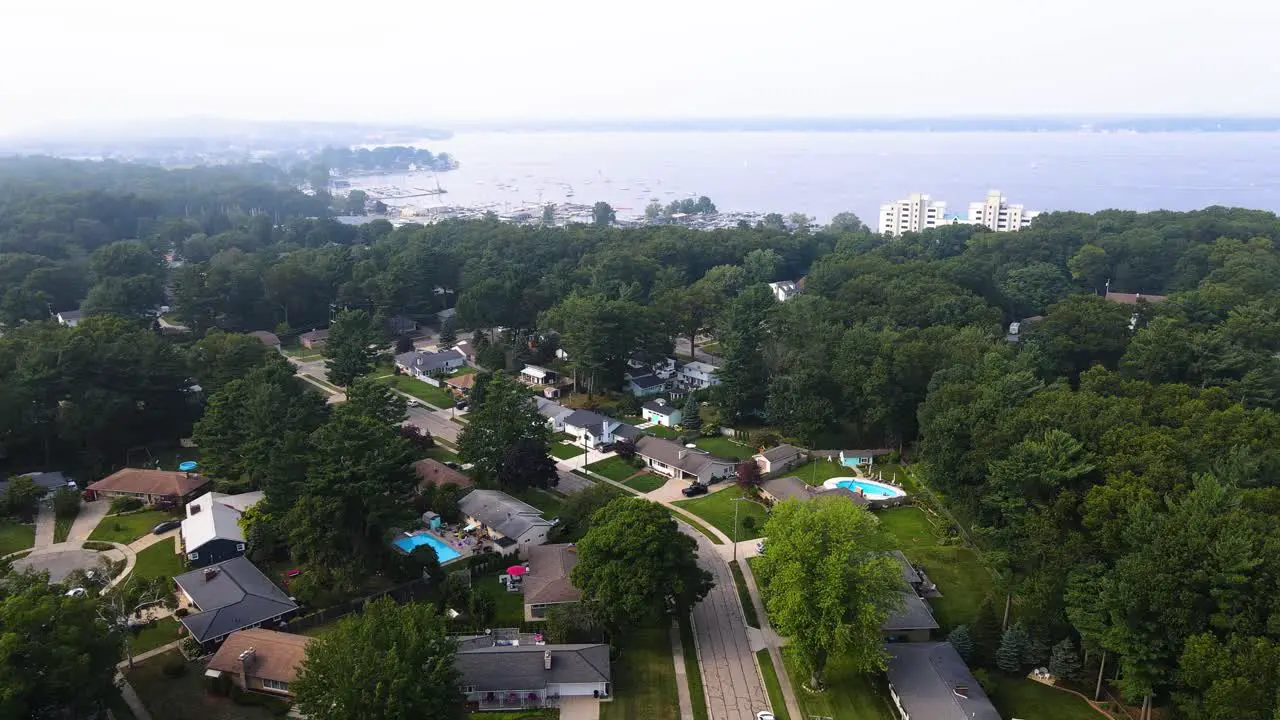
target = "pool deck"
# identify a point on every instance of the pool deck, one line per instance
(894, 490)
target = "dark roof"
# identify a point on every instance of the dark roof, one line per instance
(267, 338)
(661, 408)
(401, 324)
(786, 488)
(548, 578)
(630, 432)
(645, 382)
(872, 452)
(236, 595)
(314, 335)
(510, 516)
(425, 362)
(926, 676)
(503, 668)
(913, 615)
(909, 574)
(434, 471)
(70, 315)
(150, 482)
(782, 452)
(674, 454)
(592, 422)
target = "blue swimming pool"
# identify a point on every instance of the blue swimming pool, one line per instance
(444, 553)
(870, 488)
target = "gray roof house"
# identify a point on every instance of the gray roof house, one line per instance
(594, 428)
(511, 523)
(913, 620)
(498, 673)
(780, 458)
(231, 595)
(416, 362)
(69, 318)
(50, 482)
(930, 681)
(781, 489)
(674, 460)
(554, 412)
(547, 581)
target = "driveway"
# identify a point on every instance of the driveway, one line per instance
(91, 513)
(570, 483)
(59, 563)
(729, 673)
(579, 708)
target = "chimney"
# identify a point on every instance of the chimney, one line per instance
(682, 454)
(546, 660)
(209, 573)
(246, 659)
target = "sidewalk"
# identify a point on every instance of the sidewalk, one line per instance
(682, 678)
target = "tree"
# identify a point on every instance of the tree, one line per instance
(628, 405)
(774, 221)
(1231, 679)
(506, 419)
(1090, 266)
(22, 497)
(599, 334)
(219, 357)
(798, 221)
(748, 473)
(652, 211)
(549, 214)
(350, 347)
(578, 509)
(1014, 645)
(126, 601)
(635, 567)
(1031, 289)
(1080, 331)
(742, 333)
(691, 416)
(448, 336)
(761, 266)
(962, 642)
(824, 586)
(624, 448)
(376, 401)
(846, 222)
(603, 214)
(356, 202)
(58, 660)
(386, 663)
(1064, 663)
(571, 623)
(527, 464)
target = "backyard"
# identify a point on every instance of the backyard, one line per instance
(184, 697)
(546, 501)
(614, 468)
(159, 560)
(15, 537)
(644, 686)
(815, 472)
(723, 447)
(718, 509)
(124, 529)
(662, 431)
(429, 394)
(440, 453)
(1020, 697)
(955, 569)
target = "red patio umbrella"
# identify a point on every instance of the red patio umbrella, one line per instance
(516, 570)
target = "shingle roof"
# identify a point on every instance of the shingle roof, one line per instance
(47, 481)
(236, 595)
(866, 452)
(509, 516)
(644, 382)
(782, 452)
(592, 422)
(786, 488)
(150, 482)
(267, 338)
(548, 578)
(662, 409)
(909, 574)
(434, 471)
(913, 615)
(503, 668)
(276, 655)
(210, 517)
(314, 335)
(630, 432)
(926, 676)
(425, 362)
(1134, 298)
(673, 454)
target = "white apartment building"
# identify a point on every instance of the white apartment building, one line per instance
(996, 213)
(918, 212)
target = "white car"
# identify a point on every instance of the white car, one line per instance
(76, 592)
(764, 715)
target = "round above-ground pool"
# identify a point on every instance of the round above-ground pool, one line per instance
(870, 488)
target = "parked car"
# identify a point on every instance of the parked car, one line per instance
(760, 548)
(76, 592)
(764, 715)
(694, 490)
(166, 526)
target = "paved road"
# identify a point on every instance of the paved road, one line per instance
(436, 422)
(570, 483)
(729, 673)
(682, 348)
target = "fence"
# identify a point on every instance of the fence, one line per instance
(412, 590)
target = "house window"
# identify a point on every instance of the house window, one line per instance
(275, 685)
(193, 555)
(239, 547)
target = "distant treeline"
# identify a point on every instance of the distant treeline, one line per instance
(384, 159)
(947, 124)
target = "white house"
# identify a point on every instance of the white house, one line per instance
(783, 457)
(673, 460)
(695, 375)
(511, 523)
(422, 365)
(69, 318)
(784, 290)
(658, 411)
(594, 429)
(554, 412)
(535, 375)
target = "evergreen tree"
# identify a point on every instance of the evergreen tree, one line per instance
(691, 419)
(1013, 648)
(448, 335)
(1065, 661)
(962, 641)
(985, 634)
(349, 347)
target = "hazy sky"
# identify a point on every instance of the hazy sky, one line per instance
(440, 60)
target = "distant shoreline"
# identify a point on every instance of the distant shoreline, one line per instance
(1100, 125)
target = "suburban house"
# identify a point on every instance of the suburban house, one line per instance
(49, 482)
(512, 524)
(401, 325)
(696, 375)
(862, 457)
(779, 459)
(231, 595)
(554, 412)
(211, 532)
(913, 621)
(930, 681)
(546, 582)
(593, 429)
(150, 486)
(781, 489)
(784, 290)
(461, 384)
(646, 385)
(535, 375)
(433, 471)
(313, 339)
(1018, 328)
(263, 660)
(423, 365)
(69, 318)
(658, 411)
(467, 349)
(675, 460)
(269, 339)
(646, 377)
(513, 671)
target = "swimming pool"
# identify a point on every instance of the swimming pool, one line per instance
(444, 553)
(870, 488)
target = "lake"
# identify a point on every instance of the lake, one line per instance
(825, 173)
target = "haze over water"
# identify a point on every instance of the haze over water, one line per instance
(825, 173)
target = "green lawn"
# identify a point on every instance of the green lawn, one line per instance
(955, 569)
(849, 695)
(715, 539)
(548, 503)
(429, 394)
(62, 526)
(442, 454)
(509, 606)
(185, 697)
(748, 609)
(772, 686)
(1023, 698)
(15, 537)
(565, 451)
(648, 482)
(644, 679)
(159, 560)
(160, 632)
(614, 468)
(662, 431)
(124, 529)
(697, 694)
(815, 472)
(717, 508)
(723, 447)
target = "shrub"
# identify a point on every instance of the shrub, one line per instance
(181, 612)
(174, 668)
(66, 503)
(124, 504)
(96, 545)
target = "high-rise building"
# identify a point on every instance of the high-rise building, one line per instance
(996, 213)
(918, 212)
